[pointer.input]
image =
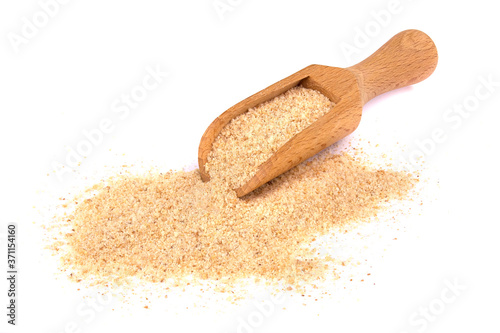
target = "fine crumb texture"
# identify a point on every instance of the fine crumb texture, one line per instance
(253, 137)
(172, 226)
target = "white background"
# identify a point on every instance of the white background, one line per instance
(65, 77)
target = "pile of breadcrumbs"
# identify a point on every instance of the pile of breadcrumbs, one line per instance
(172, 226)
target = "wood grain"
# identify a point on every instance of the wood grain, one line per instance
(407, 58)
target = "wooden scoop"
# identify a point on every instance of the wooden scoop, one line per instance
(407, 58)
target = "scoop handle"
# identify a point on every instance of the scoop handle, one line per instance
(407, 58)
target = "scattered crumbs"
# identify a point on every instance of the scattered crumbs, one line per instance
(173, 229)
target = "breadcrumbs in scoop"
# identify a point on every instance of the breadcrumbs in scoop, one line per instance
(254, 136)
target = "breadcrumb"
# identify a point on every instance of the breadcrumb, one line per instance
(171, 226)
(253, 137)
